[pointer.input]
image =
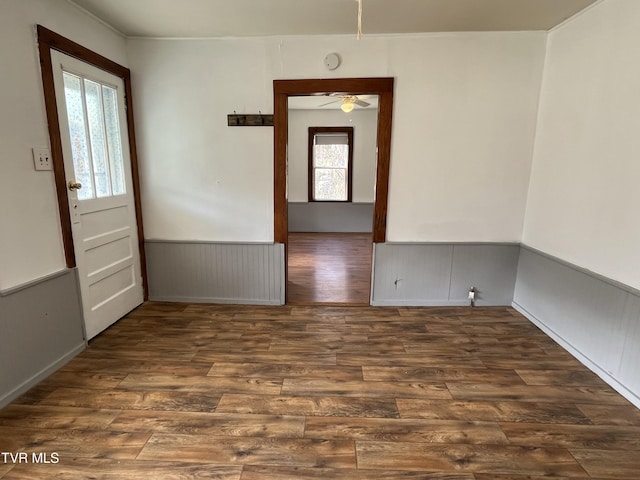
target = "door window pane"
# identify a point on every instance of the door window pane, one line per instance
(78, 133)
(96, 143)
(113, 139)
(97, 136)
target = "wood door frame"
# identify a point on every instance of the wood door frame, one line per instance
(282, 90)
(48, 40)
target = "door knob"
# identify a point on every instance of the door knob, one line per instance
(74, 185)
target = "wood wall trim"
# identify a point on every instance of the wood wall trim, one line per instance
(48, 40)
(282, 90)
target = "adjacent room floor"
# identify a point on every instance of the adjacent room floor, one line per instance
(318, 392)
(329, 268)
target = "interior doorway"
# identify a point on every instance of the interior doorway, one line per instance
(283, 89)
(331, 188)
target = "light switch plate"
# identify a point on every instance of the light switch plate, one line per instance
(42, 158)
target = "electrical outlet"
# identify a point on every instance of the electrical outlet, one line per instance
(42, 158)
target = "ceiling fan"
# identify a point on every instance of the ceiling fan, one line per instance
(348, 102)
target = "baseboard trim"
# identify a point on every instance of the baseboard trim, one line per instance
(421, 303)
(582, 358)
(41, 375)
(225, 301)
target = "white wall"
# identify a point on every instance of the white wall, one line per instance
(364, 123)
(584, 194)
(30, 238)
(464, 121)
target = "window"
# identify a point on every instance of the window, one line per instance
(92, 112)
(330, 164)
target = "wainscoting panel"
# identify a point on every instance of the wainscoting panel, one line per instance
(332, 217)
(594, 318)
(216, 272)
(441, 274)
(491, 269)
(41, 328)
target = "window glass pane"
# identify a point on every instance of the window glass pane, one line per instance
(114, 142)
(331, 156)
(331, 139)
(330, 184)
(78, 133)
(101, 174)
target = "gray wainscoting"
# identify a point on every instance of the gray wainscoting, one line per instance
(442, 274)
(41, 329)
(594, 318)
(215, 272)
(330, 217)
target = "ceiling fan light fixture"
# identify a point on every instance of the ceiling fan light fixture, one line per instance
(347, 106)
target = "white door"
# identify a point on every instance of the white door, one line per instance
(95, 145)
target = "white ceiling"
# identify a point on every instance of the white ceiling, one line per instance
(240, 18)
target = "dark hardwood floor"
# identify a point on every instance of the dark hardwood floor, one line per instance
(320, 392)
(329, 268)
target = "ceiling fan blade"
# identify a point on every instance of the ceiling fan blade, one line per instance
(329, 103)
(361, 103)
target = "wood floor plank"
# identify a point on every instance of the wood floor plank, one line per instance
(6, 467)
(131, 399)
(137, 382)
(482, 350)
(312, 405)
(251, 451)
(619, 465)
(248, 370)
(267, 357)
(553, 377)
(442, 361)
(69, 443)
(468, 458)
(338, 346)
(612, 414)
(85, 379)
(351, 388)
(536, 393)
(252, 472)
(493, 476)
(498, 411)
(434, 374)
(185, 354)
(89, 468)
(220, 424)
(597, 437)
(546, 362)
(110, 365)
(394, 430)
(39, 416)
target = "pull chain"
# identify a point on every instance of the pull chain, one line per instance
(359, 36)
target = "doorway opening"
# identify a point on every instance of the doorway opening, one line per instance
(344, 276)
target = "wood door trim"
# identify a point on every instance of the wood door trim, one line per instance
(282, 90)
(48, 40)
